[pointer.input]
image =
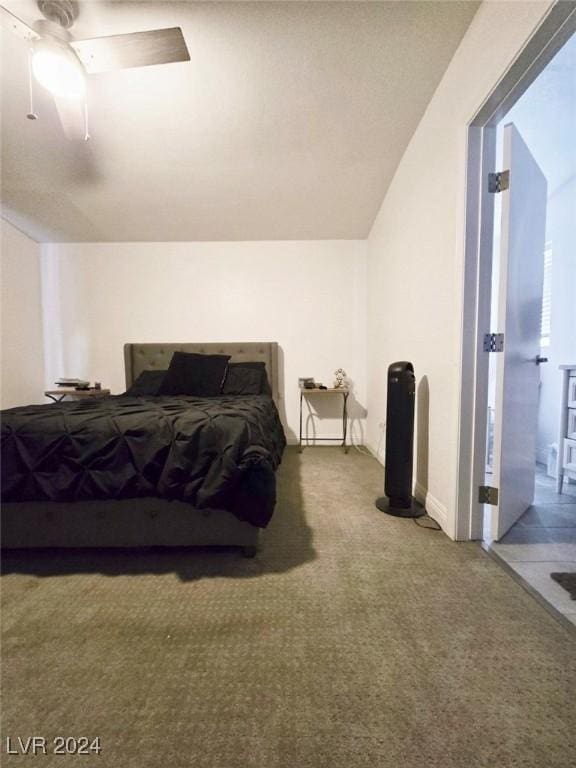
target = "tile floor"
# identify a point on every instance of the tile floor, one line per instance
(543, 541)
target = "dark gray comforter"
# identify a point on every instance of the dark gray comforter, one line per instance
(211, 452)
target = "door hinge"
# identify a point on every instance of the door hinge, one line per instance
(493, 342)
(488, 495)
(498, 182)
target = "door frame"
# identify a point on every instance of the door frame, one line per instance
(556, 28)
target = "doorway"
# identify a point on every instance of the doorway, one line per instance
(510, 103)
(542, 540)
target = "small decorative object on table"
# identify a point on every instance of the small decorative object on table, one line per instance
(339, 378)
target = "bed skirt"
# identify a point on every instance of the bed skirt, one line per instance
(126, 523)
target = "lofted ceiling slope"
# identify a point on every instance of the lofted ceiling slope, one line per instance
(288, 122)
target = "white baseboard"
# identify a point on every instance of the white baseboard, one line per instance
(373, 452)
(435, 509)
(334, 441)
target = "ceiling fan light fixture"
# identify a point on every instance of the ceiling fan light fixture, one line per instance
(58, 70)
(60, 63)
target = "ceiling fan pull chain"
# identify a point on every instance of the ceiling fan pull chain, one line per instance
(86, 131)
(31, 114)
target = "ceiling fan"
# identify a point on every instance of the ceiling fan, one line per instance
(60, 63)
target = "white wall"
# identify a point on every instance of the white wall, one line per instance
(21, 319)
(416, 250)
(308, 296)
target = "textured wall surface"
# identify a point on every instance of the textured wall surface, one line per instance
(21, 329)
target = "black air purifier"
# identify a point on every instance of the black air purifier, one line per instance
(398, 500)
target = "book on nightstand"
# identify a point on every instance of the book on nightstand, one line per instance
(75, 383)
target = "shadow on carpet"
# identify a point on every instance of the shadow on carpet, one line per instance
(286, 544)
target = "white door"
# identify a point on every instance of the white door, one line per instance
(519, 315)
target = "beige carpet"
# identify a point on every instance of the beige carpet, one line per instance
(353, 640)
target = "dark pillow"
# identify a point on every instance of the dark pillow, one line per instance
(193, 374)
(147, 384)
(246, 379)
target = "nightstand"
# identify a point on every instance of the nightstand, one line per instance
(567, 432)
(344, 391)
(76, 394)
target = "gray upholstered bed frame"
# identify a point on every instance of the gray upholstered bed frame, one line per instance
(148, 521)
(146, 357)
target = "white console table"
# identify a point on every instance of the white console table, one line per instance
(567, 433)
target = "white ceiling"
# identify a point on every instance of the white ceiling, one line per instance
(288, 122)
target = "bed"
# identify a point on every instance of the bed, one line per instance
(211, 482)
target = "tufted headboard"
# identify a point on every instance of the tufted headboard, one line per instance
(145, 357)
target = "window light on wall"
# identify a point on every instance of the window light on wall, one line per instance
(546, 297)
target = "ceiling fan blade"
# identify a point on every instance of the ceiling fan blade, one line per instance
(18, 26)
(136, 49)
(72, 116)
